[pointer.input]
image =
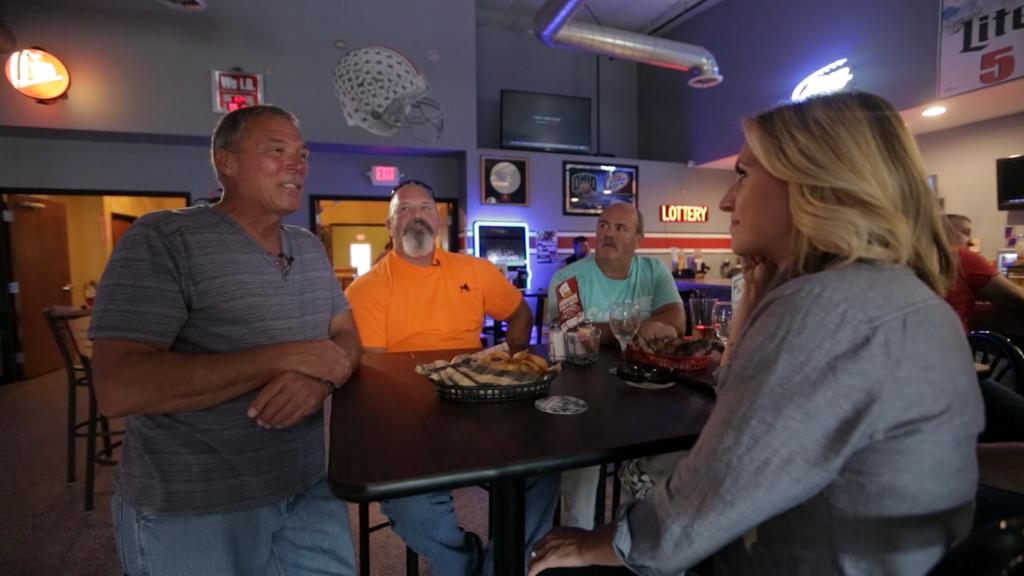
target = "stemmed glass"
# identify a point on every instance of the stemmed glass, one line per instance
(721, 319)
(624, 320)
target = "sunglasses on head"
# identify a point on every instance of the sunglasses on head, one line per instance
(419, 183)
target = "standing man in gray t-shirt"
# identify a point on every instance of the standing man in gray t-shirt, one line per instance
(219, 333)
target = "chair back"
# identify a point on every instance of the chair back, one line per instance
(1003, 358)
(997, 550)
(70, 327)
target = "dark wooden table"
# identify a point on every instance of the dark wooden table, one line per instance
(391, 436)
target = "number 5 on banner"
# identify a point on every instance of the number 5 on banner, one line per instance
(1001, 61)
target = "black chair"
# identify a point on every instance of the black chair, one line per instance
(1004, 359)
(59, 319)
(995, 551)
(412, 561)
(599, 508)
(105, 455)
(68, 326)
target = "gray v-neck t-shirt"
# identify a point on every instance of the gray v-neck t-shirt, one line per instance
(195, 281)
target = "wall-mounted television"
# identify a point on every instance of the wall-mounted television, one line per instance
(1010, 182)
(548, 122)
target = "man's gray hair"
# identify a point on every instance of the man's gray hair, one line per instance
(231, 127)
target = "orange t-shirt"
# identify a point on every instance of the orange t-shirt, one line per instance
(402, 307)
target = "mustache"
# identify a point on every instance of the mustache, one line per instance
(610, 242)
(420, 223)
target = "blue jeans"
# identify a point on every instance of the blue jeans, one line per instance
(305, 534)
(428, 525)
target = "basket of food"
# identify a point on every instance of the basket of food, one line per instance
(493, 375)
(685, 354)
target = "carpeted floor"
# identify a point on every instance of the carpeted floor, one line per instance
(43, 528)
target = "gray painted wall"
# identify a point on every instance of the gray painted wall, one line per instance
(764, 49)
(135, 167)
(517, 60)
(139, 67)
(964, 160)
(659, 183)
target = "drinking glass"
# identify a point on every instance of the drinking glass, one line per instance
(624, 320)
(700, 317)
(721, 319)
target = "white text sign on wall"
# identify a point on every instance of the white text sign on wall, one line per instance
(234, 90)
(676, 213)
(981, 43)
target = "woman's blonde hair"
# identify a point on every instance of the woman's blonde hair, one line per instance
(857, 185)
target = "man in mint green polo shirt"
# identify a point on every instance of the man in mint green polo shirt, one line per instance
(616, 274)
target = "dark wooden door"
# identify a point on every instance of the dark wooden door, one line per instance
(41, 268)
(119, 224)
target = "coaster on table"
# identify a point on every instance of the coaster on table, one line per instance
(560, 405)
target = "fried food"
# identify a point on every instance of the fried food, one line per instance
(522, 362)
(495, 358)
(534, 363)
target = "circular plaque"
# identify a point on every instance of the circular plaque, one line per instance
(505, 178)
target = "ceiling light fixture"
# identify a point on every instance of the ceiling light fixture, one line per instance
(934, 111)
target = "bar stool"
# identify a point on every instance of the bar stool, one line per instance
(412, 560)
(69, 327)
(105, 455)
(59, 319)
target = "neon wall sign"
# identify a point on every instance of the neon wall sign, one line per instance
(678, 213)
(38, 74)
(831, 78)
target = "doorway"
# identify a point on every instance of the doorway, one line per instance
(53, 243)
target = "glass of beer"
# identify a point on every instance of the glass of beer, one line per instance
(701, 317)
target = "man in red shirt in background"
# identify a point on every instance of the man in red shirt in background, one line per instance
(976, 278)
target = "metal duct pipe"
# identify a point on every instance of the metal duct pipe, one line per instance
(551, 24)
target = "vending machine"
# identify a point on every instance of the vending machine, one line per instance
(507, 245)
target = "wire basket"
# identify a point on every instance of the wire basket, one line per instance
(491, 393)
(683, 363)
(464, 380)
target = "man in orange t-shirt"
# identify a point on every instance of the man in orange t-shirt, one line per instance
(421, 298)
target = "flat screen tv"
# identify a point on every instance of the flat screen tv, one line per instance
(1010, 183)
(548, 122)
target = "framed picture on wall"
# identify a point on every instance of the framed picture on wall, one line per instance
(590, 188)
(505, 181)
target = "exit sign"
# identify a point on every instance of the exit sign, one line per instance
(234, 90)
(677, 213)
(384, 175)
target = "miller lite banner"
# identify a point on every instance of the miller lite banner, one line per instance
(981, 43)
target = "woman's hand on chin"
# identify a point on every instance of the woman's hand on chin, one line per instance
(758, 273)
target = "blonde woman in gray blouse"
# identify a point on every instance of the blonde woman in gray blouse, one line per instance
(843, 437)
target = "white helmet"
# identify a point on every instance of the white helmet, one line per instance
(379, 89)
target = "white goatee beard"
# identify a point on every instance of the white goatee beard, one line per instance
(417, 242)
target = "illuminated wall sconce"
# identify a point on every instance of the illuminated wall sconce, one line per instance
(38, 75)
